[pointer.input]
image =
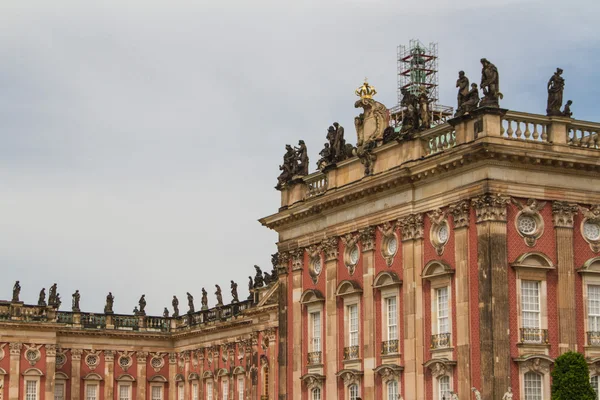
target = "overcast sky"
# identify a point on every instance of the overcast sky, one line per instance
(140, 140)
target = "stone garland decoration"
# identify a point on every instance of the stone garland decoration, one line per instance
(389, 244)
(528, 221)
(2, 354)
(440, 230)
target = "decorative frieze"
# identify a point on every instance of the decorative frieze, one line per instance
(563, 213)
(461, 213)
(411, 227)
(490, 207)
(367, 238)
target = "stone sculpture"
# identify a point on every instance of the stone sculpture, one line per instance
(472, 100)
(326, 157)
(556, 86)
(204, 300)
(142, 304)
(476, 392)
(371, 123)
(567, 110)
(75, 301)
(52, 295)
(175, 304)
(410, 118)
(16, 292)
(508, 395)
(108, 308)
(136, 311)
(490, 84)
(335, 149)
(288, 168)
(42, 298)
(234, 293)
(268, 279)
(302, 157)
(462, 83)
(57, 301)
(166, 313)
(258, 278)
(424, 111)
(366, 156)
(219, 296)
(250, 287)
(190, 298)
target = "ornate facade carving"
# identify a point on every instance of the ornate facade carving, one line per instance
(61, 358)
(590, 226)
(2, 354)
(313, 381)
(283, 259)
(439, 232)
(33, 353)
(461, 213)
(540, 365)
(15, 349)
(351, 251)
(109, 356)
(157, 361)
(172, 358)
(389, 242)
(563, 213)
(76, 354)
(350, 376)
(141, 357)
(490, 207)
(92, 359)
(330, 248)
(411, 227)
(367, 238)
(297, 259)
(529, 222)
(388, 372)
(50, 350)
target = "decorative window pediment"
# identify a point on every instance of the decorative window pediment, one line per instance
(3, 372)
(222, 372)
(193, 376)
(59, 376)
(158, 378)
(311, 296)
(92, 377)
(439, 366)
(386, 279)
(126, 378)
(436, 269)
(539, 363)
(34, 372)
(239, 370)
(350, 376)
(389, 372)
(533, 260)
(207, 375)
(348, 288)
(179, 378)
(591, 266)
(313, 381)
(594, 365)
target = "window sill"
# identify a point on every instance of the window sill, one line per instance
(442, 350)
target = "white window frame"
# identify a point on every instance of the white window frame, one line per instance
(315, 330)
(60, 383)
(129, 390)
(241, 387)
(391, 317)
(209, 389)
(595, 385)
(443, 315)
(225, 389)
(195, 390)
(161, 390)
(353, 331)
(315, 393)
(180, 391)
(593, 317)
(349, 391)
(531, 313)
(35, 380)
(87, 386)
(441, 382)
(392, 394)
(541, 377)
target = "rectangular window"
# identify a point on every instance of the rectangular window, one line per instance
(31, 390)
(392, 318)
(441, 295)
(59, 391)
(353, 392)
(444, 387)
(533, 386)
(240, 388)
(315, 323)
(530, 300)
(209, 391)
(91, 392)
(156, 393)
(180, 391)
(124, 392)
(594, 308)
(195, 391)
(353, 325)
(225, 389)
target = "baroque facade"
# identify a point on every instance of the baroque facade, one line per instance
(423, 263)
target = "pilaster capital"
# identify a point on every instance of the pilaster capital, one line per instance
(490, 207)
(109, 355)
(50, 350)
(141, 356)
(283, 259)
(367, 238)
(76, 354)
(270, 334)
(461, 213)
(15, 348)
(172, 358)
(563, 214)
(411, 227)
(330, 247)
(297, 259)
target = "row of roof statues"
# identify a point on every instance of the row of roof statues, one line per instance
(372, 125)
(260, 279)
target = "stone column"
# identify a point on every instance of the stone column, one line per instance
(460, 216)
(297, 266)
(186, 373)
(563, 214)
(271, 335)
(15, 365)
(412, 253)
(367, 240)
(492, 261)
(109, 374)
(75, 373)
(50, 370)
(330, 317)
(172, 373)
(282, 266)
(200, 354)
(142, 360)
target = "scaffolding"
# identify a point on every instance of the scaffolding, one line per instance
(418, 72)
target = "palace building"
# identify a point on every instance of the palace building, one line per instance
(440, 254)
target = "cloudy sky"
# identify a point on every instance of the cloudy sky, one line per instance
(140, 140)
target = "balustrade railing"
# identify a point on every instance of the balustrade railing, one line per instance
(63, 317)
(314, 358)
(437, 139)
(351, 353)
(584, 135)
(317, 183)
(533, 335)
(158, 324)
(389, 347)
(524, 126)
(593, 338)
(441, 340)
(126, 322)
(93, 321)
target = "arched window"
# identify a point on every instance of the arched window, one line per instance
(316, 394)
(444, 387)
(392, 390)
(533, 386)
(594, 382)
(353, 392)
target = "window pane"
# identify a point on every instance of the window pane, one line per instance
(594, 382)
(594, 308)
(180, 391)
(240, 388)
(316, 394)
(315, 319)
(156, 393)
(353, 324)
(124, 392)
(530, 299)
(442, 310)
(91, 392)
(533, 386)
(353, 392)
(444, 387)
(59, 391)
(31, 390)
(195, 391)
(392, 318)
(225, 390)
(392, 390)
(209, 391)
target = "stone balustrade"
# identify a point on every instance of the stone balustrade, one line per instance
(524, 126)
(584, 134)
(316, 184)
(437, 139)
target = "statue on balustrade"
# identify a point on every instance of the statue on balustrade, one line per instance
(166, 313)
(190, 298)
(57, 301)
(42, 298)
(75, 301)
(462, 83)
(490, 84)
(472, 100)
(410, 118)
(175, 304)
(258, 278)
(142, 304)
(302, 157)
(556, 86)
(136, 311)
(108, 308)
(204, 300)
(250, 287)
(234, 293)
(326, 157)
(288, 168)
(567, 110)
(219, 296)
(508, 395)
(52, 295)
(16, 292)
(424, 110)
(341, 149)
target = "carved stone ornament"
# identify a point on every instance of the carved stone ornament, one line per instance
(367, 239)
(50, 350)
(440, 230)
(297, 259)
(32, 353)
(141, 357)
(76, 354)
(528, 221)
(283, 260)
(539, 365)
(594, 367)
(157, 361)
(590, 226)
(411, 227)
(389, 372)
(61, 359)
(351, 251)
(438, 369)
(389, 242)
(315, 262)
(195, 360)
(330, 248)
(2, 354)
(490, 207)
(563, 213)
(181, 361)
(313, 381)
(92, 359)
(350, 376)
(270, 334)
(460, 214)
(15, 349)
(109, 356)
(172, 358)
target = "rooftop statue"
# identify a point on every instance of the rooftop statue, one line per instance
(372, 122)
(219, 296)
(42, 298)
(136, 311)
(204, 300)
(258, 278)
(472, 100)
(166, 313)
(336, 149)
(142, 304)
(52, 295)
(556, 86)
(57, 302)
(234, 293)
(410, 118)
(302, 157)
(75, 301)
(567, 110)
(267, 278)
(16, 292)
(289, 167)
(462, 83)
(326, 156)
(424, 110)
(175, 304)
(490, 84)
(108, 308)
(250, 287)
(190, 298)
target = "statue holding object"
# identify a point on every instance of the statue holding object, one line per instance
(219, 296)
(175, 304)
(75, 302)
(42, 298)
(490, 84)
(204, 300)
(16, 292)
(234, 293)
(556, 86)
(302, 158)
